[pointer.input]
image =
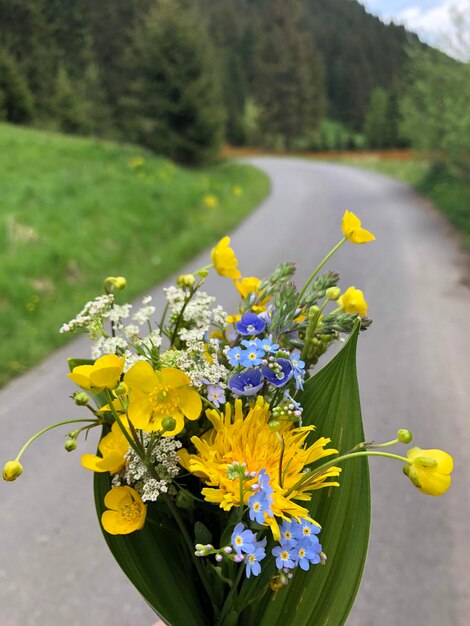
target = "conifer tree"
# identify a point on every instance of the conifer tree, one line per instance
(69, 106)
(176, 107)
(376, 125)
(16, 97)
(289, 75)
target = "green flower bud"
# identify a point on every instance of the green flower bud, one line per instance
(313, 312)
(169, 423)
(404, 436)
(274, 424)
(12, 470)
(70, 445)
(81, 398)
(203, 273)
(121, 389)
(186, 280)
(333, 293)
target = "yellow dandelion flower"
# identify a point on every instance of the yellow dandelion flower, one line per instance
(224, 259)
(211, 201)
(250, 440)
(353, 301)
(136, 162)
(157, 395)
(127, 512)
(353, 230)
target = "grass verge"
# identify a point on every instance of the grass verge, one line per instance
(449, 194)
(74, 210)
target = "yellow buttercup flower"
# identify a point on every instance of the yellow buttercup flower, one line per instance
(113, 447)
(250, 440)
(429, 470)
(224, 259)
(156, 395)
(247, 285)
(127, 512)
(103, 374)
(353, 301)
(353, 231)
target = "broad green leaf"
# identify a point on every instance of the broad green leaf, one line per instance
(158, 565)
(326, 594)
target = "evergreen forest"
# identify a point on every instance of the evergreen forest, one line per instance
(181, 77)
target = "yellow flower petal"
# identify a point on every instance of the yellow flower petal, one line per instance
(429, 470)
(140, 411)
(352, 229)
(127, 513)
(81, 376)
(224, 259)
(190, 403)
(247, 285)
(353, 301)
(141, 376)
(172, 377)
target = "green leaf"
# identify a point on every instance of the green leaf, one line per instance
(326, 593)
(158, 564)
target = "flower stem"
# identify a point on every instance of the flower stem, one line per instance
(228, 600)
(309, 476)
(318, 268)
(44, 430)
(135, 445)
(200, 570)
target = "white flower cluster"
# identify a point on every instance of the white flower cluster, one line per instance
(127, 337)
(165, 462)
(197, 316)
(201, 363)
(90, 317)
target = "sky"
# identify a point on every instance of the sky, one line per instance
(431, 19)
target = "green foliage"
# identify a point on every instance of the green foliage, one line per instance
(16, 101)
(289, 76)
(376, 125)
(435, 111)
(155, 560)
(332, 135)
(92, 209)
(176, 105)
(69, 105)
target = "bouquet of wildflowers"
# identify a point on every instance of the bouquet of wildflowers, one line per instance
(232, 484)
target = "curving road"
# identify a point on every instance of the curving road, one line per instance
(414, 369)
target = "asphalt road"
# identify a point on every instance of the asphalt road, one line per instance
(414, 371)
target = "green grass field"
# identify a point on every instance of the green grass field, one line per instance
(74, 210)
(450, 195)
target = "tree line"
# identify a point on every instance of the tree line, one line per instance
(180, 76)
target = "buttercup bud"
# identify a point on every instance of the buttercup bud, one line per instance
(70, 445)
(186, 280)
(313, 311)
(12, 470)
(81, 398)
(202, 273)
(112, 283)
(333, 293)
(404, 436)
(121, 389)
(169, 423)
